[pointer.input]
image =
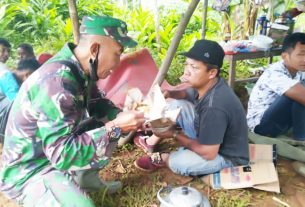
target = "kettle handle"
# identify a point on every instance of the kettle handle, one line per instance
(162, 190)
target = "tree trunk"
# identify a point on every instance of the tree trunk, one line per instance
(74, 20)
(246, 19)
(253, 18)
(227, 28)
(204, 18)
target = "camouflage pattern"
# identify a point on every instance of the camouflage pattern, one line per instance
(38, 137)
(54, 189)
(107, 26)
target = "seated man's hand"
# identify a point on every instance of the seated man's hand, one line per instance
(166, 93)
(129, 120)
(163, 133)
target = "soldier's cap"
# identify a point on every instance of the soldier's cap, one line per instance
(107, 26)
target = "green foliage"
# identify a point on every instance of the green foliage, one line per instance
(47, 26)
(127, 147)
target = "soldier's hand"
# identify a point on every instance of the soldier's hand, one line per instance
(129, 120)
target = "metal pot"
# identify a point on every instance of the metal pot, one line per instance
(183, 196)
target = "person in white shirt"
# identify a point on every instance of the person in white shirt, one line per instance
(277, 101)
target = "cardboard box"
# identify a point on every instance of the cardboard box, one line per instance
(260, 174)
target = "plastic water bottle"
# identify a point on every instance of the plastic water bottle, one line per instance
(261, 23)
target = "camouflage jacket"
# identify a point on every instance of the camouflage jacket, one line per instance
(39, 135)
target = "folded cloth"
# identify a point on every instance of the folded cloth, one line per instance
(285, 146)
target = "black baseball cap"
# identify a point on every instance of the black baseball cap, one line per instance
(207, 51)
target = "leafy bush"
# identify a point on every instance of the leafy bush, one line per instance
(47, 26)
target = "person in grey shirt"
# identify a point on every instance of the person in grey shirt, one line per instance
(214, 131)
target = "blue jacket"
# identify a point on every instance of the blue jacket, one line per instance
(8, 83)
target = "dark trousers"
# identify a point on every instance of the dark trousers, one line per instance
(5, 107)
(282, 115)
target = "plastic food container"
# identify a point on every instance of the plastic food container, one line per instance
(262, 42)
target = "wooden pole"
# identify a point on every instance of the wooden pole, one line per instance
(270, 11)
(74, 20)
(175, 42)
(157, 24)
(204, 18)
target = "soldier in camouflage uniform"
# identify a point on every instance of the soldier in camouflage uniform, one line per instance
(43, 149)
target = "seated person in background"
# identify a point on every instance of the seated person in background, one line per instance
(25, 68)
(214, 131)
(25, 51)
(299, 9)
(277, 101)
(8, 84)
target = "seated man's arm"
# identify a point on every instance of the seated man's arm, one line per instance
(175, 94)
(208, 152)
(212, 127)
(297, 93)
(277, 82)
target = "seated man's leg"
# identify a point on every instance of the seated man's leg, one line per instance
(188, 163)
(277, 118)
(54, 189)
(298, 121)
(186, 117)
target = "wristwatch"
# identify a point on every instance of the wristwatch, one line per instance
(115, 133)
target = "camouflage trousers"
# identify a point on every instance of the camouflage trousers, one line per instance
(54, 189)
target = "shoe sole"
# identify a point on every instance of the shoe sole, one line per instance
(136, 165)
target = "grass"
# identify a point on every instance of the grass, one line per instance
(140, 189)
(236, 198)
